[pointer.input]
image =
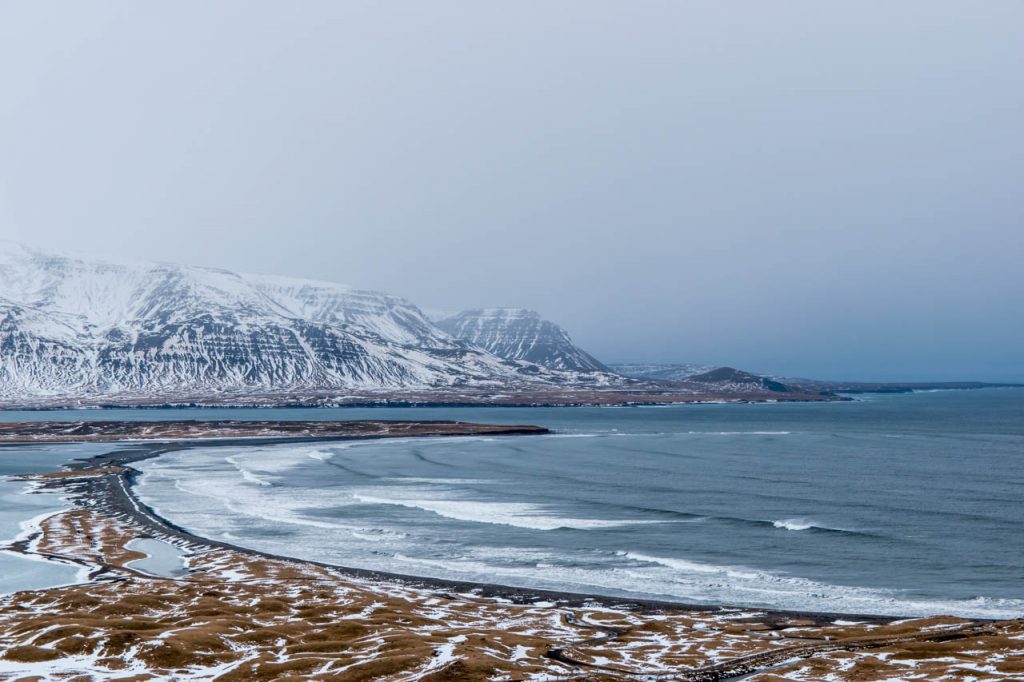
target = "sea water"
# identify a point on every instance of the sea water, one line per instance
(891, 504)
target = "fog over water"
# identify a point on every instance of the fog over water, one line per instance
(816, 189)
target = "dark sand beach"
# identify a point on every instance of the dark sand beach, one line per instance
(450, 629)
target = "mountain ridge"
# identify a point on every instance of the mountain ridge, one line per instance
(521, 334)
(735, 379)
(80, 326)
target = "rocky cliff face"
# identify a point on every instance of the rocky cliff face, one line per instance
(520, 334)
(83, 327)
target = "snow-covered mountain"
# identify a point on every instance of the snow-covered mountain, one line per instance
(520, 334)
(82, 327)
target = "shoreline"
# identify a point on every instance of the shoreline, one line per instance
(185, 430)
(579, 397)
(357, 624)
(385, 404)
(809, 392)
(119, 498)
(113, 492)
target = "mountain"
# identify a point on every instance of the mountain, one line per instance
(520, 334)
(728, 379)
(75, 327)
(659, 372)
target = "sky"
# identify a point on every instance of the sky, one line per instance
(826, 189)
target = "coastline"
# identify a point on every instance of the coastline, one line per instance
(118, 498)
(100, 491)
(247, 431)
(113, 492)
(427, 398)
(802, 391)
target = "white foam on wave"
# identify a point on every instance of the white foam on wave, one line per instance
(203, 488)
(212, 495)
(282, 514)
(195, 489)
(731, 584)
(795, 524)
(643, 575)
(805, 524)
(297, 511)
(691, 566)
(247, 474)
(518, 514)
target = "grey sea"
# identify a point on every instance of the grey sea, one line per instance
(891, 504)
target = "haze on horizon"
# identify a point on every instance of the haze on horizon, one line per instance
(814, 189)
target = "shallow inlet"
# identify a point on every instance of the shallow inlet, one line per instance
(19, 514)
(162, 559)
(21, 507)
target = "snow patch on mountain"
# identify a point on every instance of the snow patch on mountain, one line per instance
(74, 326)
(660, 371)
(521, 334)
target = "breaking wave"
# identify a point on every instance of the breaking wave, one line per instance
(741, 584)
(800, 524)
(722, 511)
(518, 514)
(247, 474)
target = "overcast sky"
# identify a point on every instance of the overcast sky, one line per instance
(830, 189)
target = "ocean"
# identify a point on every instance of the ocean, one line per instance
(890, 504)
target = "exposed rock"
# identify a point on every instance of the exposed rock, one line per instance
(520, 334)
(734, 379)
(78, 328)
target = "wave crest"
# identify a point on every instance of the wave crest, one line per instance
(806, 524)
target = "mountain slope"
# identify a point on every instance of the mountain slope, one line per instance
(520, 334)
(737, 381)
(84, 327)
(659, 372)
